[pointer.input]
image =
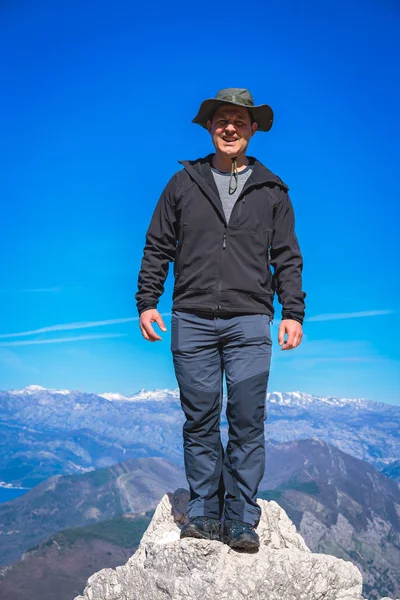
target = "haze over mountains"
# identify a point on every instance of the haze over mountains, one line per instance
(47, 432)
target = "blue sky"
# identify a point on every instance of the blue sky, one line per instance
(96, 110)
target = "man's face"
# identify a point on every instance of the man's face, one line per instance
(231, 129)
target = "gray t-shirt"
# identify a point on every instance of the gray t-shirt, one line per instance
(222, 182)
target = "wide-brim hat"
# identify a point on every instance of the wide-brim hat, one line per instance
(262, 114)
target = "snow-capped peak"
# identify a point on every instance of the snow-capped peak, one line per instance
(289, 399)
(111, 396)
(143, 396)
(303, 399)
(34, 389)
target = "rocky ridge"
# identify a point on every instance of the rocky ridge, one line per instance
(167, 568)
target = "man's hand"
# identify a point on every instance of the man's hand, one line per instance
(294, 330)
(146, 319)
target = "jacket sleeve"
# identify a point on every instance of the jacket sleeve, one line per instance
(159, 250)
(287, 260)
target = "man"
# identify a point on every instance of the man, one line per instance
(224, 220)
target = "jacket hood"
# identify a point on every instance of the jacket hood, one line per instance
(261, 174)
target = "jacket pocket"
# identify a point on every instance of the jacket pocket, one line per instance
(267, 240)
(179, 251)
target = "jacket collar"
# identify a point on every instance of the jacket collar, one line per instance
(261, 174)
(200, 171)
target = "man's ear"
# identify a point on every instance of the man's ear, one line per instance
(209, 126)
(254, 128)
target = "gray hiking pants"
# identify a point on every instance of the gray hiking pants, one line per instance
(203, 348)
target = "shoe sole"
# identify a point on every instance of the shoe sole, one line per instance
(242, 544)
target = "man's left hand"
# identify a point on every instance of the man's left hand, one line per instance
(294, 332)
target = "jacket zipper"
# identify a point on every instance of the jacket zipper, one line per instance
(220, 271)
(240, 201)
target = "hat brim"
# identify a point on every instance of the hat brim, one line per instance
(262, 114)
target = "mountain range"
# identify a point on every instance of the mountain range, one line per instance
(340, 505)
(44, 432)
(333, 464)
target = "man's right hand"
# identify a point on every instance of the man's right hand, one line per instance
(146, 319)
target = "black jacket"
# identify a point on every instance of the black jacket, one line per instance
(219, 267)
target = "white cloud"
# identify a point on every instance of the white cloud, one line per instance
(313, 352)
(350, 315)
(66, 339)
(69, 326)
(78, 325)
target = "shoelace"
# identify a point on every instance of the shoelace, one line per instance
(235, 525)
(210, 523)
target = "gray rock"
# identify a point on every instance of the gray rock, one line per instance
(167, 568)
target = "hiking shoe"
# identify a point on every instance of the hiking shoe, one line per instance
(240, 535)
(204, 528)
